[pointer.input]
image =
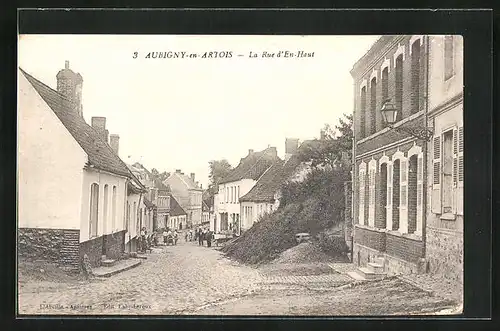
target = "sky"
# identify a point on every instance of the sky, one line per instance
(180, 113)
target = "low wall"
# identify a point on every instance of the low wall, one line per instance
(405, 248)
(114, 244)
(444, 252)
(59, 246)
(93, 249)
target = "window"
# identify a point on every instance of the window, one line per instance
(385, 87)
(362, 113)
(399, 86)
(447, 171)
(238, 194)
(362, 196)
(415, 76)
(373, 104)
(127, 220)
(448, 58)
(94, 210)
(105, 209)
(113, 210)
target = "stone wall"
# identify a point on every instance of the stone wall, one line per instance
(114, 244)
(444, 253)
(59, 246)
(93, 249)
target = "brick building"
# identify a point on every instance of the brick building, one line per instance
(407, 191)
(388, 171)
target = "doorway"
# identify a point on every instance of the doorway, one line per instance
(412, 194)
(395, 194)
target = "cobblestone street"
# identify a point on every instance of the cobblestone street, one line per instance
(191, 280)
(170, 281)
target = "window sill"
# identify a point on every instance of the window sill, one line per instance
(448, 217)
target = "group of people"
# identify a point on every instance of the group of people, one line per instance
(145, 240)
(203, 235)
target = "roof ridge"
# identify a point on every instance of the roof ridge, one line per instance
(256, 162)
(45, 85)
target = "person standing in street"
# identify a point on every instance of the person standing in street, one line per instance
(200, 237)
(209, 238)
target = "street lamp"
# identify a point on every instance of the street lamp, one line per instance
(390, 114)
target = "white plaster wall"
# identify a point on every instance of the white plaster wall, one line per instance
(442, 90)
(134, 217)
(50, 165)
(102, 178)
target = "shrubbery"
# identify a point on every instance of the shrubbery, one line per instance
(310, 206)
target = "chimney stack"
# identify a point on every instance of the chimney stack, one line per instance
(70, 85)
(99, 124)
(178, 171)
(250, 151)
(192, 176)
(291, 147)
(114, 142)
(273, 151)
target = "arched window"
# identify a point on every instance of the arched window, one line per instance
(113, 210)
(385, 87)
(94, 210)
(373, 104)
(105, 210)
(362, 113)
(415, 77)
(399, 85)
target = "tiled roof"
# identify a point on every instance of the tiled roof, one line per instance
(100, 154)
(148, 203)
(252, 166)
(160, 186)
(175, 208)
(267, 185)
(204, 206)
(271, 180)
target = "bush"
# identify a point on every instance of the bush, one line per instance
(333, 245)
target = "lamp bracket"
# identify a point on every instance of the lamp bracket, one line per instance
(419, 132)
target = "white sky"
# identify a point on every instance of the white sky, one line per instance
(181, 113)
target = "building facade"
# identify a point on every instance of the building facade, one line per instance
(445, 162)
(73, 189)
(238, 183)
(188, 194)
(178, 217)
(388, 169)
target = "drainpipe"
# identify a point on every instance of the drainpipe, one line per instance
(424, 170)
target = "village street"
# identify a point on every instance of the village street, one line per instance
(188, 279)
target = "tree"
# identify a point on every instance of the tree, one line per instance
(334, 147)
(218, 170)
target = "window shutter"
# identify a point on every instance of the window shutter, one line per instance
(403, 208)
(455, 159)
(436, 187)
(461, 154)
(389, 196)
(361, 216)
(459, 195)
(420, 209)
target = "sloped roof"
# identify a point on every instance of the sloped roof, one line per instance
(204, 206)
(148, 203)
(190, 184)
(160, 186)
(175, 208)
(252, 166)
(267, 185)
(100, 154)
(271, 180)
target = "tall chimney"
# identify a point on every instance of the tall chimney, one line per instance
(192, 176)
(291, 147)
(250, 151)
(99, 124)
(114, 142)
(178, 171)
(70, 85)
